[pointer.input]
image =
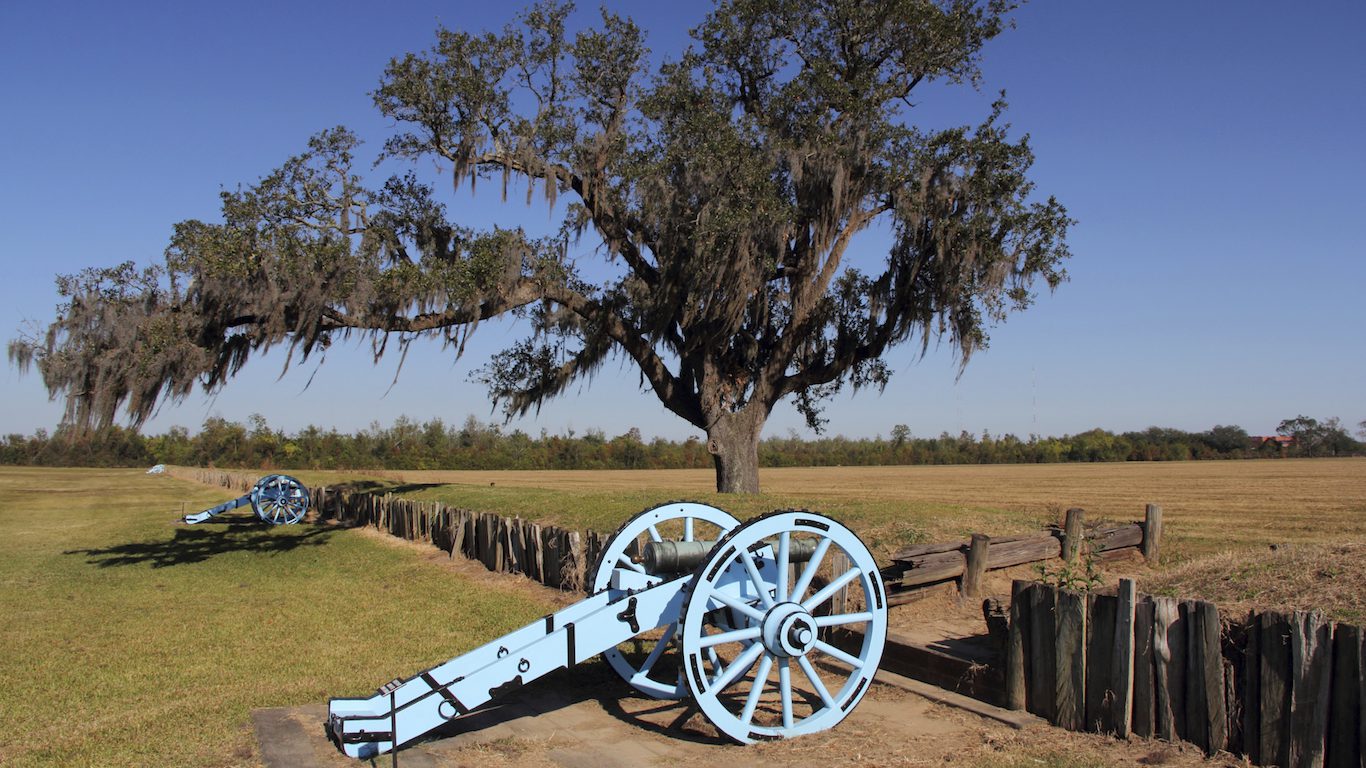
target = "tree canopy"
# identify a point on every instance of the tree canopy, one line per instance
(724, 190)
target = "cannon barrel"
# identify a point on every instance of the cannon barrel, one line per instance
(661, 557)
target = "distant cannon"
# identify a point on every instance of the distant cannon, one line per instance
(276, 499)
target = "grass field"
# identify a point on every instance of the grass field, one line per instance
(1244, 534)
(1209, 506)
(129, 640)
(132, 641)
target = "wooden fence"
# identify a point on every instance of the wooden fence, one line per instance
(923, 565)
(562, 558)
(551, 555)
(1280, 688)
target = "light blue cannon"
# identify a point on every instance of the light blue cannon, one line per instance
(686, 602)
(276, 499)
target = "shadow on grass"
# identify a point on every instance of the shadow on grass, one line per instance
(405, 488)
(362, 486)
(195, 545)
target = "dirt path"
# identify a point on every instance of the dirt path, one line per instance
(586, 717)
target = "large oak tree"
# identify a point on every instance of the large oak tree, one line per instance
(724, 192)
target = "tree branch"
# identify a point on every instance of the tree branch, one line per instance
(770, 387)
(521, 293)
(605, 220)
(672, 393)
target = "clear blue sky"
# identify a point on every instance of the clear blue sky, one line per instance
(1212, 153)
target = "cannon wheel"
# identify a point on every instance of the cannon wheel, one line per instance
(818, 684)
(279, 499)
(687, 520)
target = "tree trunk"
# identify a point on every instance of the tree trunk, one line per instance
(733, 441)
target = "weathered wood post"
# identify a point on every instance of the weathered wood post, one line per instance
(534, 559)
(550, 556)
(1100, 644)
(1122, 667)
(839, 563)
(1015, 647)
(1310, 652)
(1348, 722)
(1043, 638)
(1145, 697)
(1275, 684)
(1152, 534)
(976, 565)
(1070, 661)
(1073, 534)
(1208, 719)
(1164, 616)
(574, 555)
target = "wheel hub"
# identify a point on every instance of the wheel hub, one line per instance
(789, 630)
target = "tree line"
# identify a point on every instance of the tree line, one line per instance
(434, 444)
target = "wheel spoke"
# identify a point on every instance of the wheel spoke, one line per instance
(839, 655)
(738, 667)
(658, 650)
(715, 661)
(738, 604)
(754, 577)
(654, 534)
(687, 529)
(784, 553)
(785, 689)
(734, 636)
(839, 619)
(815, 679)
(809, 573)
(626, 561)
(830, 589)
(760, 680)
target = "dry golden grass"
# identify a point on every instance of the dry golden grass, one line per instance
(1222, 518)
(1209, 506)
(1305, 577)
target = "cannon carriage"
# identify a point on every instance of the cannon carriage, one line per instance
(686, 602)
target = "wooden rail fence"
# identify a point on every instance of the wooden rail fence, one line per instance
(1280, 688)
(923, 565)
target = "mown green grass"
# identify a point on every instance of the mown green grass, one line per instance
(606, 510)
(130, 640)
(885, 524)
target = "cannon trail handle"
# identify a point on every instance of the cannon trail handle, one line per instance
(200, 517)
(364, 728)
